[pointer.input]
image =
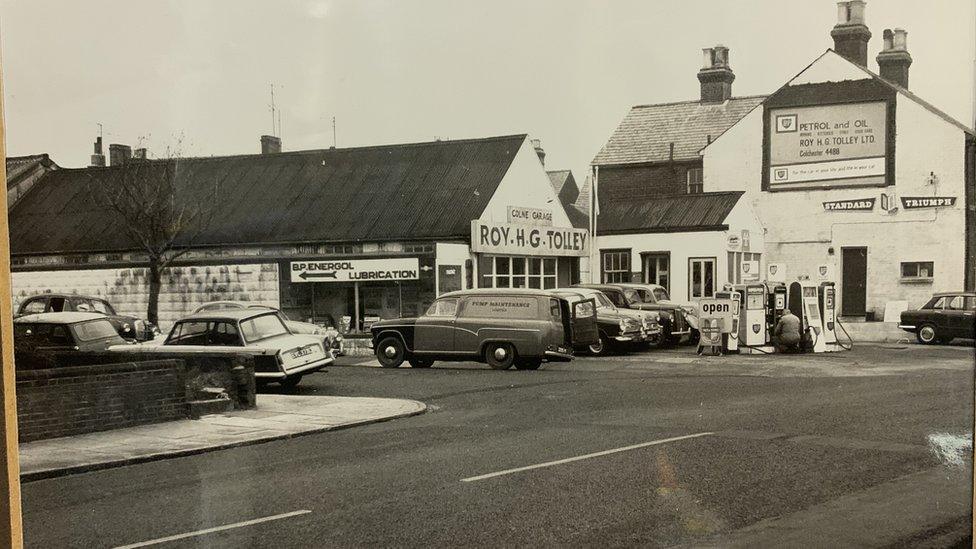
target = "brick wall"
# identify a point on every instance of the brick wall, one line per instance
(644, 181)
(61, 402)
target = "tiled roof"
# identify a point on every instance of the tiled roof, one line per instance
(564, 184)
(19, 167)
(394, 192)
(646, 133)
(667, 213)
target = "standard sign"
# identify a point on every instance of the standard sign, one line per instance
(812, 146)
(355, 270)
(514, 239)
(861, 204)
(916, 202)
(716, 308)
(529, 216)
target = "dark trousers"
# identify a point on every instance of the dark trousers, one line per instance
(786, 345)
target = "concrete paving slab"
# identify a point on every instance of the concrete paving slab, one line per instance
(277, 417)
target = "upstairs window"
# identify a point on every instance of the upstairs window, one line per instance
(695, 181)
(917, 270)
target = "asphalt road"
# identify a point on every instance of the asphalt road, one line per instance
(767, 447)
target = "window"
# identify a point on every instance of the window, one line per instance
(554, 309)
(695, 181)
(262, 327)
(657, 269)
(518, 272)
(34, 306)
(917, 270)
(935, 303)
(701, 277)
(954, 303)
(443, 307)
(102, 307)
(89, 331)
(616, 266)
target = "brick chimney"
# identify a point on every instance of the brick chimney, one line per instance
(894, 59)
(139, 154)
(850, 34)
(537, 145)
(716, 75)
(270, 144)
(98, 159)
(119, 154)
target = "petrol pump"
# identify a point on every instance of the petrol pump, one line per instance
(732, 337)
(827, 302)
(752, 316)
(775, 305)
(803, 301)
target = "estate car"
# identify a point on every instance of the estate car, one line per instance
(296, 355)
(502, 327)
(56, 332)
(128, 327)
(946, 316)
(617, 327)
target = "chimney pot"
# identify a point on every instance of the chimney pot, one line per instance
(98, 159)
(850, 34)
(119, 154)
(270, 144)
(894, 60)
(716, 75)
(537, 145)
(139, 154)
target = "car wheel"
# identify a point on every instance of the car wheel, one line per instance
(500, 356)
(291, 382)
(528, 364)
(601, 348)
(390, 352)
(420, 363)
(927, 335)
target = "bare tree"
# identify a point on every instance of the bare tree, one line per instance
(162, 208)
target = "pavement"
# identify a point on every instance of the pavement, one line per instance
(277, 417)
(870, 448)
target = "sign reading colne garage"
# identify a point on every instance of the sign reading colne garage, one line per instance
(508, 238)
(355, 270)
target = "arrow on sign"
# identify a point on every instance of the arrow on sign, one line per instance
(426, 268)
(306, 276)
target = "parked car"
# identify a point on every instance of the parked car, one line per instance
(256, 328)
(331, 337)
(946, 316)
(618, 327)
(501, 327)
(627, 299)
(129, 327)
(677, 319)
(68, 331)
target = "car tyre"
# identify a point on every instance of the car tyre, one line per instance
(391, 352)
(420, 362)
(601, 348)
(500, 356)
(290, 382)
(528, 364)
(927, 334)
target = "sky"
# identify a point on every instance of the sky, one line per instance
(195, 75)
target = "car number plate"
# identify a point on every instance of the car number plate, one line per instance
(305, 351)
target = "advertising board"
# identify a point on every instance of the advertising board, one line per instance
(828, 146)
(518, 239)
(356, 270)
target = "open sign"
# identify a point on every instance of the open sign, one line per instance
(716, 308)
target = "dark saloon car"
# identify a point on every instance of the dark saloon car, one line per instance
(676, 320)
(618, 327)
(128, 327)
(501, 327)
(58, 332)
(946, 316)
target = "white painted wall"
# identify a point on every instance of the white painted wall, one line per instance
(526, 184)
(800, 233)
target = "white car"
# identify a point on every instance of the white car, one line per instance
(330, 336)
(296, 355)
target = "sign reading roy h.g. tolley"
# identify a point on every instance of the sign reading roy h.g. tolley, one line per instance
(515, 239)
(917, 202)
(529, 216)
(356, 270)
(860, 204)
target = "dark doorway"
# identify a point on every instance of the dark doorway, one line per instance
(854, 281)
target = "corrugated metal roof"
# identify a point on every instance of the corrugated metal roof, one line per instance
(646, 133)
(669, 213)
(393, 192)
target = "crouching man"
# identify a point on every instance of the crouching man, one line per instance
(786, 334)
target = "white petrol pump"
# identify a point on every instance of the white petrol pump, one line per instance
(752, 315)
(804, 302)
(827, 302)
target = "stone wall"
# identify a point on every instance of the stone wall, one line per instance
(183, 288)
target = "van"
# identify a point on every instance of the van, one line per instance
(501, 327)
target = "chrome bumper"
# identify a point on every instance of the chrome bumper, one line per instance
(306, 369)
(907, 327)
(556, 356)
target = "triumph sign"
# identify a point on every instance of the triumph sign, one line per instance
(516, 239)
(828, 145)
(356, 270)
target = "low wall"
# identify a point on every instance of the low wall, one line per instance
(57, 402)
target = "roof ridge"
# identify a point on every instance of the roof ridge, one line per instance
(696, 101)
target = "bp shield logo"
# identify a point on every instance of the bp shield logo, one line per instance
(786, 123)
(746, 267)
(781, 174)
(823, 270)
(773, 269)
(755, 328)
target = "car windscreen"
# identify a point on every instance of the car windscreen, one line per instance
(632, 296)
(660, 294)
(602, 302)
(93, 329)
(262, 327)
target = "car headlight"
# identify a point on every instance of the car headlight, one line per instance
(126, 327)
(338, 337)
(623, 325)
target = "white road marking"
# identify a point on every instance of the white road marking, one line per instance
(585, 456)
(214, 529)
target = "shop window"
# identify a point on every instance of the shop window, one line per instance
(701, 277)
(917, 270)
(657, 269)
(696, 183)
(616, 265)
(518, 272)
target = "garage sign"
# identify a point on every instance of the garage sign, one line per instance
(356, 270)
(516, 239)
(916, 202)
